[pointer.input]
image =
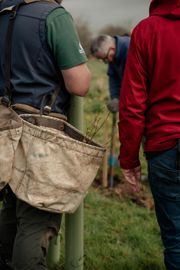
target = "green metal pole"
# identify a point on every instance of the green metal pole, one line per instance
(53, 256)
(74, 223)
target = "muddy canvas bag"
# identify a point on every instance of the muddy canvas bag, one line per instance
(54, 164)
(10, 133)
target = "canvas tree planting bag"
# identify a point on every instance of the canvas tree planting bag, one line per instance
(54, 164)
(10, 133)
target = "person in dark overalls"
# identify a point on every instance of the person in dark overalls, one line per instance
(46, 52)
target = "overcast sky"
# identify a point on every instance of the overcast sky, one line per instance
(99, 13)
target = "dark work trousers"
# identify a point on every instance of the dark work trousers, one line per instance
(164, 177)
(25, 233)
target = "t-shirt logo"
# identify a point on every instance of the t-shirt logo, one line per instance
(81, 50)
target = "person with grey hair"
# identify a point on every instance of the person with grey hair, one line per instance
(112, 50)
(46, 54)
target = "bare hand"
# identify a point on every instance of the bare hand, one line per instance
(133, 177)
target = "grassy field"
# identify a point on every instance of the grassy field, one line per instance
(118, 235)
(120, 231)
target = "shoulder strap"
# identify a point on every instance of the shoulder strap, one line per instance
(8, 47)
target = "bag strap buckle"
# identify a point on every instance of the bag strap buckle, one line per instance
(47, 110)
(5, 101)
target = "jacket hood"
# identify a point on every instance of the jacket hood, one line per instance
(165, 8)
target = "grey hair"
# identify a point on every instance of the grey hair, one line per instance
(101, 44)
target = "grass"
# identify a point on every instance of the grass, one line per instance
(96, 112)
(118, 234)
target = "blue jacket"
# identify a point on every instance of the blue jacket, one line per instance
(34, 72)
(116, 68)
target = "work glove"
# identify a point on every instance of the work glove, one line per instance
(113, 105)
(133, 178)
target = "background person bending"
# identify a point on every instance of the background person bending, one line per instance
(113, 51)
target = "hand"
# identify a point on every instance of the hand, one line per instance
(113, 105)
(133, 177)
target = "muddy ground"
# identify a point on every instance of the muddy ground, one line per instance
(122, 190)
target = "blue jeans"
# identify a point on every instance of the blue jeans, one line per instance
(164, 178)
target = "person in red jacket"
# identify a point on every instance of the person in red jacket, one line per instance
(150, 107)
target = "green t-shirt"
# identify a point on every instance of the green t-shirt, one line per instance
(63, 39)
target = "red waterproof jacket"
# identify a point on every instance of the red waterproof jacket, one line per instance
(150, 93)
